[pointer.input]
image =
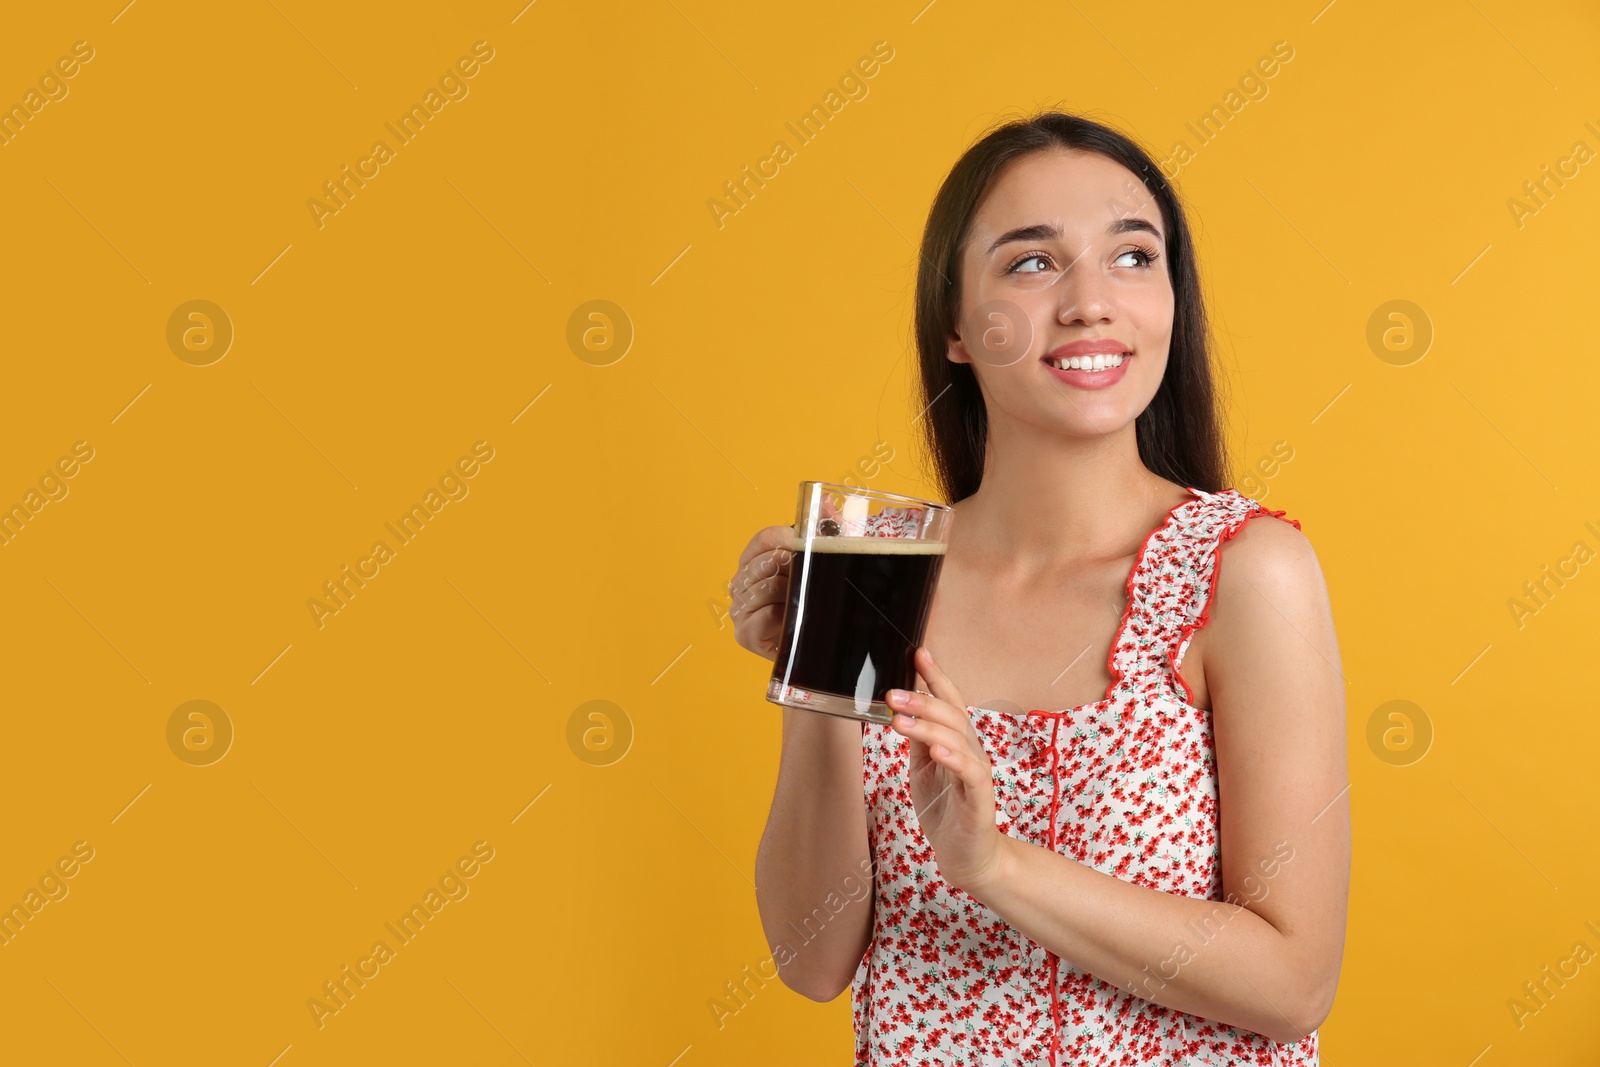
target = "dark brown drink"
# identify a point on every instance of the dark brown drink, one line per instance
(855, 615)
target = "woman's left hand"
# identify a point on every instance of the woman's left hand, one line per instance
(952, 787)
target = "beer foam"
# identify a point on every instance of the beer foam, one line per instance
(876, 546)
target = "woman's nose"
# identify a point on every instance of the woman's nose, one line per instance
(1084, 294)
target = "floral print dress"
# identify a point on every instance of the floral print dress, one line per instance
(1126, 785)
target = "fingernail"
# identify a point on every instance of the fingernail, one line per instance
(897, 697)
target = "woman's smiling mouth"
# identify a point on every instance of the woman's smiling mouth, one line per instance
(1098, 371)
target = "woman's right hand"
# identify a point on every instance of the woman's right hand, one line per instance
(760, 589)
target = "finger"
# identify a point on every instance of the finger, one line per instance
(760, 631)
(975, 776)
(939, 684)
(930, 733)
(975, 773)
(929, 708)
(768, 592)
(926, 707)
(774, 564)
(768, 564)
(771, 562)
(765, 540)
(744, 618)
(766, 580)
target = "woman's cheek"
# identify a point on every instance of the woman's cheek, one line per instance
(1149, 376)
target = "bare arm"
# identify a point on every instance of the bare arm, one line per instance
(814, 877)
(1266, 958)
(814, 867)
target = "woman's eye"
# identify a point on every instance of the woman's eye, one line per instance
(1143, 258)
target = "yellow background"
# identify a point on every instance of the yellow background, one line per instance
(590, 558)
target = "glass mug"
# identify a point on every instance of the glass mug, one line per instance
(861, 584)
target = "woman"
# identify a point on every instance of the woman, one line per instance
(1158, 873)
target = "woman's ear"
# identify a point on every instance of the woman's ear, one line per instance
(956, 349)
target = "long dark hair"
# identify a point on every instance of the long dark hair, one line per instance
(1179, 434)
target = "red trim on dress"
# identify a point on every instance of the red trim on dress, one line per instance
(1127, 609)
(1111, 692)
(1055, 802)
(1187, 629)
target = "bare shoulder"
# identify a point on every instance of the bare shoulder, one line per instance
(1269, 550)
(1268, 575)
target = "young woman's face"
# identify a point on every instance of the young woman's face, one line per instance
(1066, 246)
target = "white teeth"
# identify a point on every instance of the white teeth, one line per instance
(1089, 363)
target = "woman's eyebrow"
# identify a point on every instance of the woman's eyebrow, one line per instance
(1042, 231)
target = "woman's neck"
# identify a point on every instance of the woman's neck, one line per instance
(1047, 500)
